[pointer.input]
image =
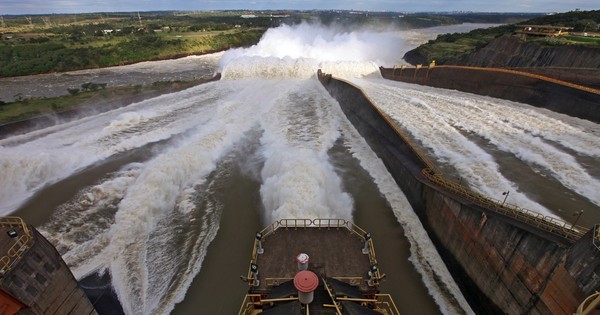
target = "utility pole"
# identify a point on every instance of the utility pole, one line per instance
(46, 21)
(140, 19)
(578, 215)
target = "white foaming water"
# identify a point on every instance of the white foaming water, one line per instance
(298, 179)
(246, 67)
(37, 159)
(155, 195)
(317, 42)
(298, 51)
(149, 276)
(435, 116)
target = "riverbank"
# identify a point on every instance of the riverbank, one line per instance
(40, 113)
(143, 73)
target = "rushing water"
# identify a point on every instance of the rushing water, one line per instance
(165, 195)
(495, 146)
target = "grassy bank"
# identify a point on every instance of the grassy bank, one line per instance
(447, 48)
(59, 55)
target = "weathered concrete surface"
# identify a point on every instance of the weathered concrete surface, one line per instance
(502, 265)
(511, 51)
(506, 85)
(573, 63)
(42, 281)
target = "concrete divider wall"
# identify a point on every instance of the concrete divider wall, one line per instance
(502, 265)
(394, 153)
(511, 85)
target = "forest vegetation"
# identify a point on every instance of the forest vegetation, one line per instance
(450, 48)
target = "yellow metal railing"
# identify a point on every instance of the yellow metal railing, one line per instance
(527, 74)
(549, 224)
(332, 297)
(386, 303)
(248, 304)
(15, 222)
(588, 305)
(253, 302)
(22, 243)
(382, 303)
(311, 223)
(596, 237)
(510, 71)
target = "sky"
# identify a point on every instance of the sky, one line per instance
(81, 6)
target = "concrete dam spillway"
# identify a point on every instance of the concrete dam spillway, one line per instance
(160, 198)
(511, 263)
(540, 91)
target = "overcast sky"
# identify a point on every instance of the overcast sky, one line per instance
(78, 6)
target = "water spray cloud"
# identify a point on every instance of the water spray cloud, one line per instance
(310, 45)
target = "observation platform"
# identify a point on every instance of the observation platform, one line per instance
(336, 249)
(342, 276)
(334, 253)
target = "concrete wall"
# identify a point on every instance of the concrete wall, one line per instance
(503, 265)
(506, 85)
(43, 282)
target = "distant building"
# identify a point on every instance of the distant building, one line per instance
(543, 30)
(248, 16)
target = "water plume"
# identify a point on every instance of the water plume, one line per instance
(309, 46)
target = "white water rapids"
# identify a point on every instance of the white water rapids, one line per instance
(150, 223)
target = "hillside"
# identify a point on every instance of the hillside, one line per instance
(496, 47)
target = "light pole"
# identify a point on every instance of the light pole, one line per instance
(578, 214)
(505, 194)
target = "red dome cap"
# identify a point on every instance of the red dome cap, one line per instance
(306, 281)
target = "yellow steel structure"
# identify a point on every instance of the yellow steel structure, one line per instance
(588, 305)
(16, 251)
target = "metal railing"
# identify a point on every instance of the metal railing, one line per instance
(16, 251)
(502, 70)
(536, 219)
(311, 223)
(526, 74)
(336, 305)
(385, 303)
(248, 304)
(596, 237)
(588, 305)
(546, 223)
